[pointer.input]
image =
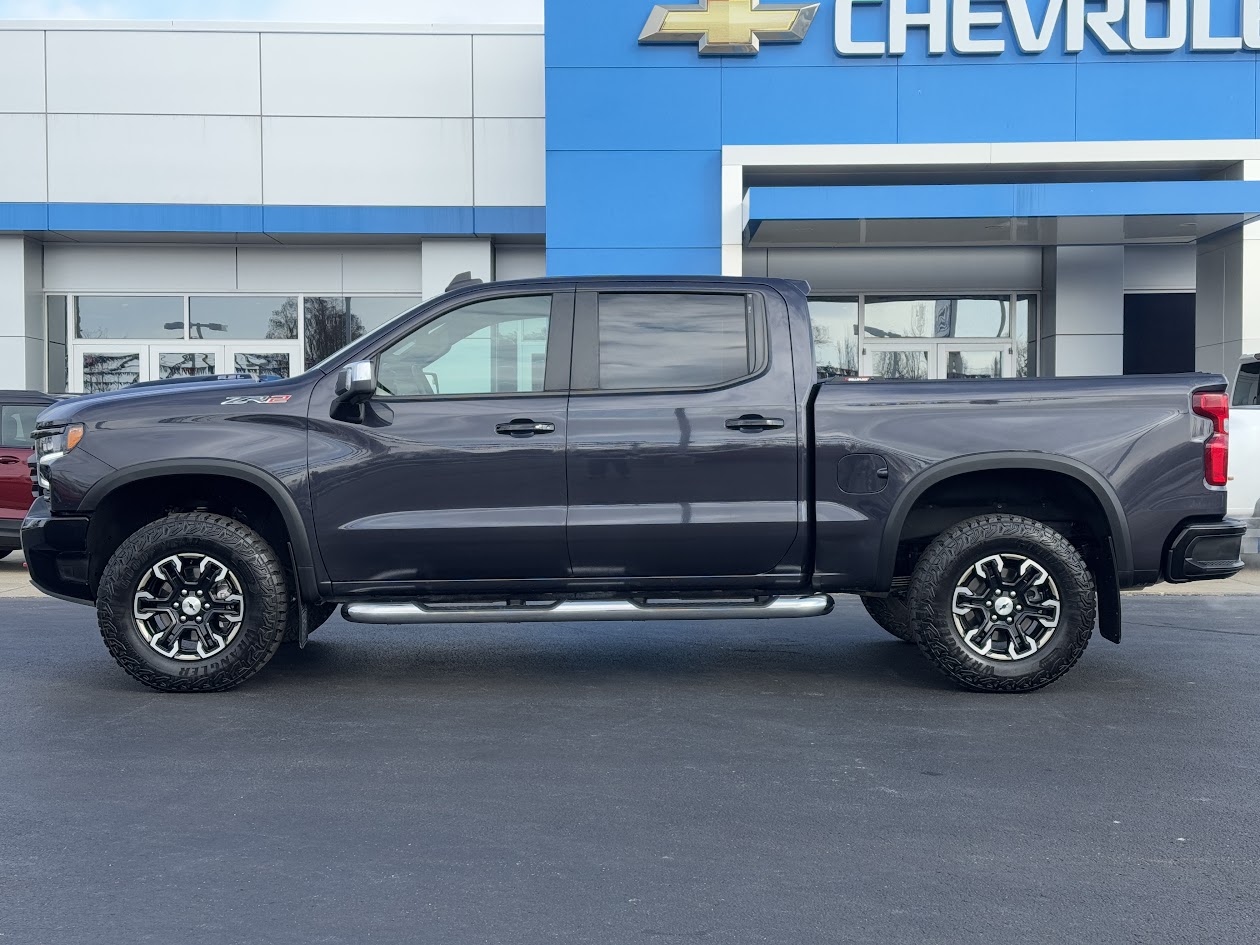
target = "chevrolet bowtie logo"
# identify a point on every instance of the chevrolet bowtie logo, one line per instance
(729, 27)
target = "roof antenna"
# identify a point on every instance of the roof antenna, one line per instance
(461, 280)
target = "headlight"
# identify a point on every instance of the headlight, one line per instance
(52, 443)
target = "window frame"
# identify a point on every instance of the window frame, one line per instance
(585, 370)
(559, 347)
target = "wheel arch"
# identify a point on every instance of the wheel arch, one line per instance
(1091, 479)
(305, 559)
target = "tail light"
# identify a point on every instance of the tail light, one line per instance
(1215, 407)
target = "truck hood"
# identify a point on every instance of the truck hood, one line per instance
(181, 396)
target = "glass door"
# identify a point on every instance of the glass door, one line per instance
(104, 367)
(262, 359)
(969, 361)
(186, 359)
(898, 362)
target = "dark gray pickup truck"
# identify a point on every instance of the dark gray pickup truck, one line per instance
(622, 449)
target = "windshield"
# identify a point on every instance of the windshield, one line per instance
(328, 362)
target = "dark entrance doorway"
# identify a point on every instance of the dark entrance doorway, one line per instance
(1159, 333)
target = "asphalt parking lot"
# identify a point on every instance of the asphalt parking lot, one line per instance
(786, 782)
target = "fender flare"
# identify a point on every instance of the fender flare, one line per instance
(1098, 486)
(304, 557)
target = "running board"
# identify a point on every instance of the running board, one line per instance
(577, 610)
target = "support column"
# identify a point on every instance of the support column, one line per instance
(21, 313)
(1083, 311)
(442, 260)
(1227, 306)
(734, 219)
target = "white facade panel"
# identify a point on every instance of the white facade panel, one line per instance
(510, 162)
(21, 71)
(508, 77)
(1089, 290)
(382, 269)
(153, 72)
(23, 158)
(69, 267)
(154, 159)
(520, 262)
(368, 161)
(1087, 355)
(1160, 268)
(445, 259)
(285, 269)
(367, 75)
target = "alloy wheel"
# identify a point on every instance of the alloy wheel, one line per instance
(189, 607)
(1006, 607)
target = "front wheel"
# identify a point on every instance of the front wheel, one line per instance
(193, 602)
(1002, 603)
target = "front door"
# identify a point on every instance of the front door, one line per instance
(455, 472)
(683, 438)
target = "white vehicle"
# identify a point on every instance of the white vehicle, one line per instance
(1244, 460)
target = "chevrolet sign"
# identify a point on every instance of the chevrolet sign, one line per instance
(964, 27)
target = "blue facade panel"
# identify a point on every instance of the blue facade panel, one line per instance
(986, 101)
(629, 199)
(618, 112)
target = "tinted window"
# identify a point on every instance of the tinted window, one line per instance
(976, 317)
(212, 317)
(16, 425)
(673, 340)
(835, 335)
(494, 347)
(1247, 387)
(99, 317)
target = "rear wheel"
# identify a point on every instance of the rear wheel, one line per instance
(893, 614)
(1002, 603)
(193, 602)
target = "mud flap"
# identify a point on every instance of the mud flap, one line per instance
(303, 624)
(1108, 588)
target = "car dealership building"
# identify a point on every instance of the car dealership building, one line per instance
(972, 187)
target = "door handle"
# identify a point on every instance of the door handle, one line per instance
(9, 460)
(524, 427)
(754, 423)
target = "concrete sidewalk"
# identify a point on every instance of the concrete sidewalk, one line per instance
(15, 583)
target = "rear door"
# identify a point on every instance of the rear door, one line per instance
(684, 440)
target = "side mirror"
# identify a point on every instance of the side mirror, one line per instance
(356, 383)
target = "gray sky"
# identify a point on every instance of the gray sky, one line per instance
(308, 11)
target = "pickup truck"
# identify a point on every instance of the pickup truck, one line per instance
(623, 449)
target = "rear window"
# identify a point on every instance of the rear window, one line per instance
(667, 341)
(1247, 386)
(17, 423)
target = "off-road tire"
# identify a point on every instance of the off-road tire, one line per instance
(251, 560)
(893, 614)
(943, 565)
(316, 616)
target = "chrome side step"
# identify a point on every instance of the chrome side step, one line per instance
(577, 610)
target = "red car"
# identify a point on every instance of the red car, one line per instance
(18, 410)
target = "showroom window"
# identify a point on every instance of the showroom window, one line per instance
(98, 342)
(921, 337)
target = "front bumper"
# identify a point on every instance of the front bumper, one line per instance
(1205, 551)
(56, 553)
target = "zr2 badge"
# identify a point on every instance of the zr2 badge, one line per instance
(274, 399)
